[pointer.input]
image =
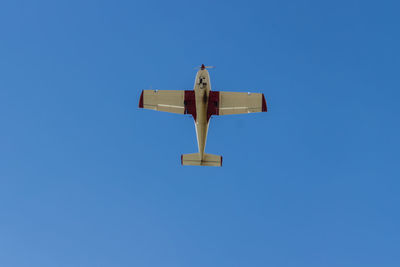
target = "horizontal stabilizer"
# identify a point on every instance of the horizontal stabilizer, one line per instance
(207, 160)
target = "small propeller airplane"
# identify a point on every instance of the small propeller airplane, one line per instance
(202, 103)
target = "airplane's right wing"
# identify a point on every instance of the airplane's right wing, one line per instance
(174, 101)
(163, 100)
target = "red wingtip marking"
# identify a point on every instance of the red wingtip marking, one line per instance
(264, 104)
(141, 101)
(181, 159)
(221, 160)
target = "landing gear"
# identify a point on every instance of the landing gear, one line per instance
(202, 82)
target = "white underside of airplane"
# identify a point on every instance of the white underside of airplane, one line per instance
(202, 103)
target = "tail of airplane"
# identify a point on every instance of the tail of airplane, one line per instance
(196, 160)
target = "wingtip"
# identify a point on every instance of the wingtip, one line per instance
(141, 100)
(264, 104)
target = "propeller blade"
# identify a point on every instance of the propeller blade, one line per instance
(204, 67)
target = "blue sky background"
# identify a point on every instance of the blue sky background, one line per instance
(88, 179)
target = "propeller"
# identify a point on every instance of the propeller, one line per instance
(202, 67)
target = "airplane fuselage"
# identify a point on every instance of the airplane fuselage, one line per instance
(202, 88)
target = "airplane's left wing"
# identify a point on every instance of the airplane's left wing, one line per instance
(227, 103)
(163, 100)
(237, 103)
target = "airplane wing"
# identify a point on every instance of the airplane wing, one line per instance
(163, 100)
(227, 103)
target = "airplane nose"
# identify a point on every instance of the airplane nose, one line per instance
(203, 67)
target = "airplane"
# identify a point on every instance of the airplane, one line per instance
(202, 103)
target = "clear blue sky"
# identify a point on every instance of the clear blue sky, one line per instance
(88, 179)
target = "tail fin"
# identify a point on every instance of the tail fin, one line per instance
(207, 160)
